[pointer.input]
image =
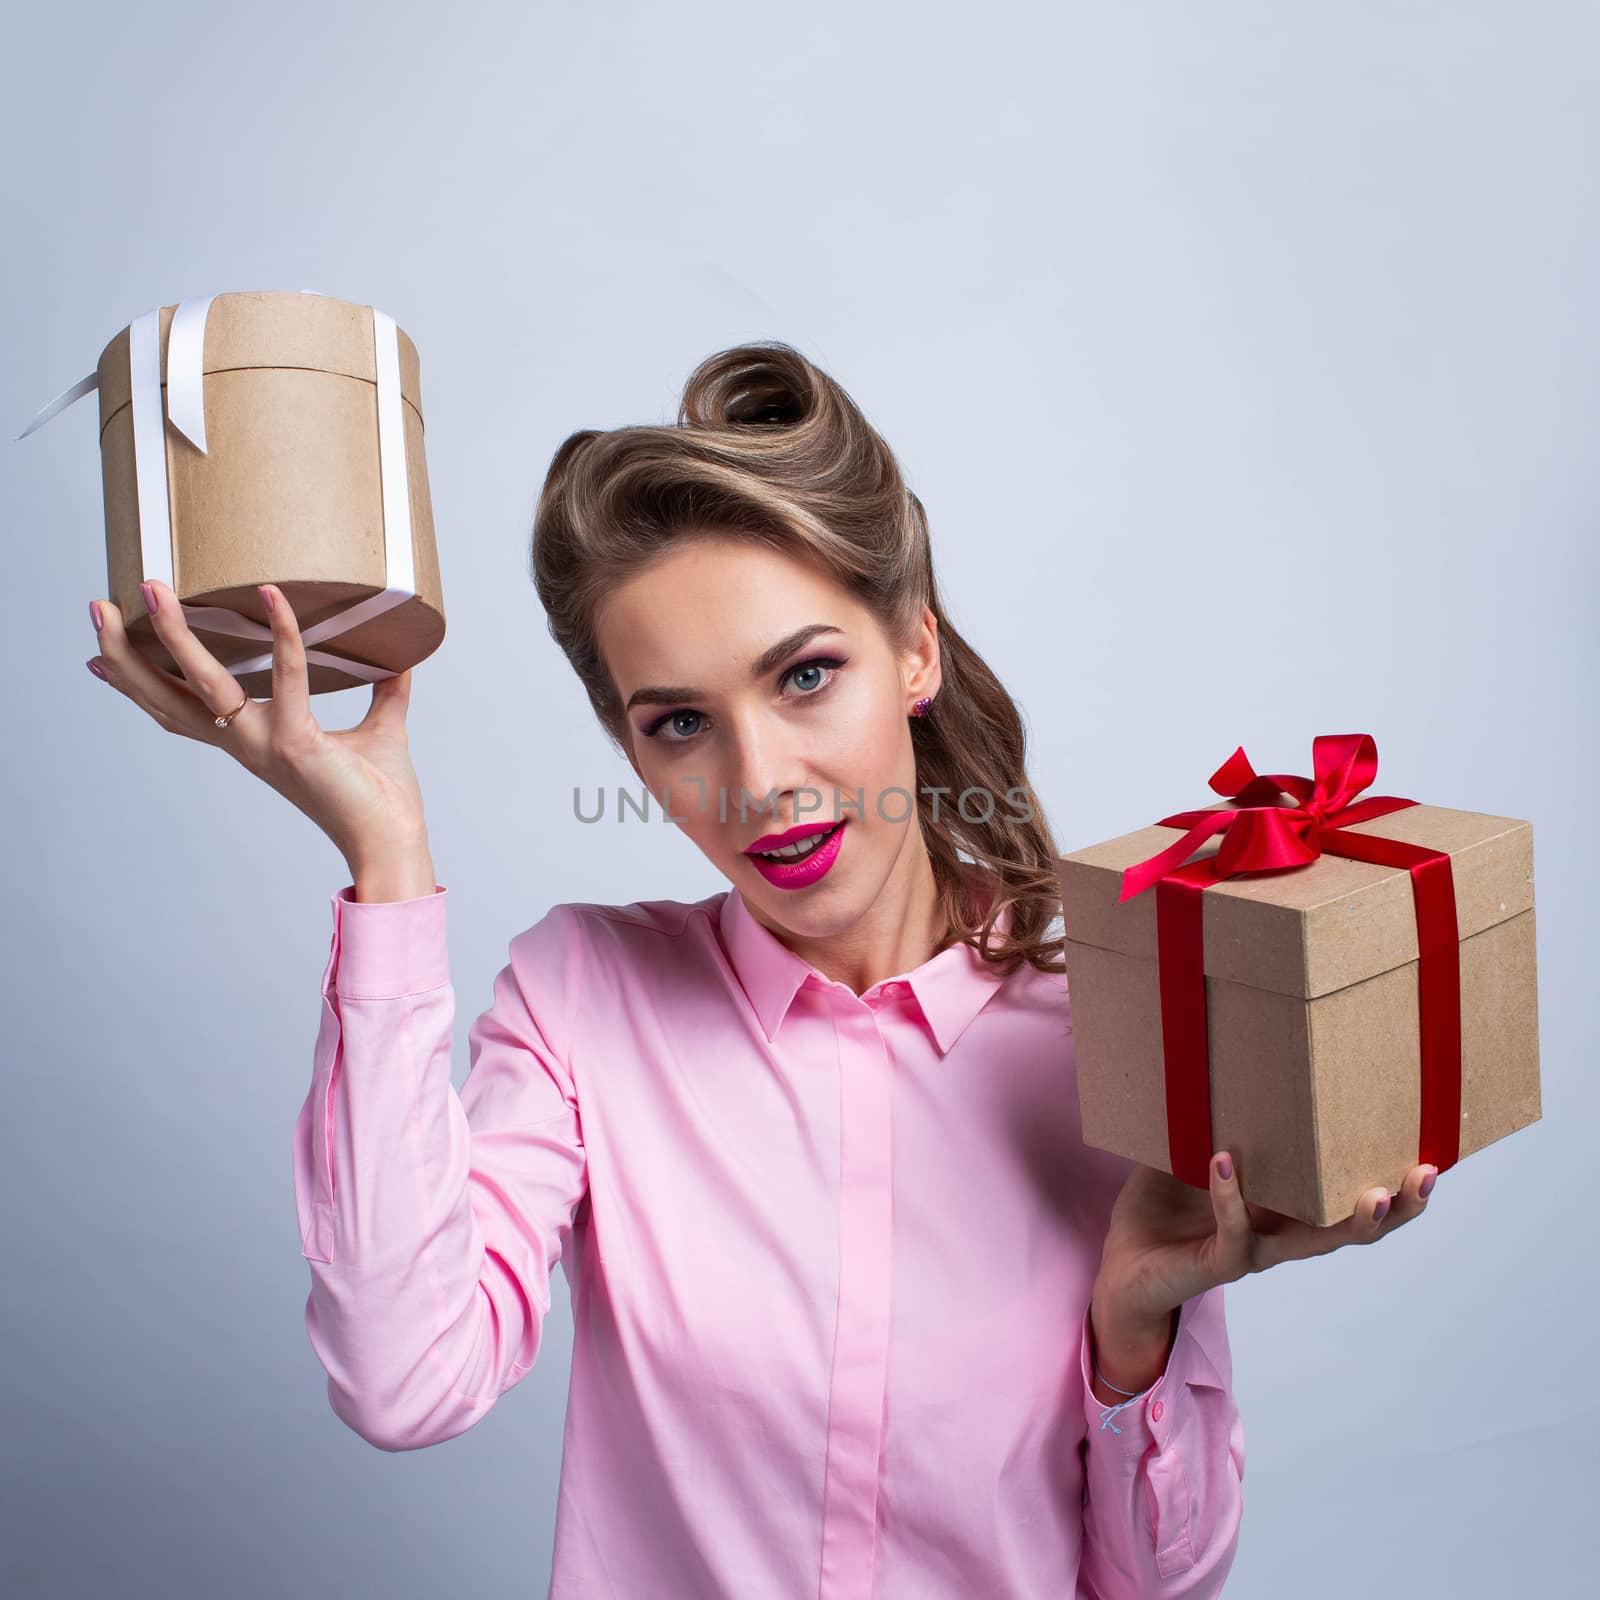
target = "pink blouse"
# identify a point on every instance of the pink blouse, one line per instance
(829, 1257)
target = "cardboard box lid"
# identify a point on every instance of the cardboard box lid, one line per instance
(271, 328)
(1314, 929)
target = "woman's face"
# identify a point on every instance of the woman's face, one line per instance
(748, 674)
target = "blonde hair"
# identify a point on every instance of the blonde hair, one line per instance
(768, 448)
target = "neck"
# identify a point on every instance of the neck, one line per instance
(902, 928)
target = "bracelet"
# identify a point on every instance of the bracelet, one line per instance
(1109, 1412)
(1110, 1385)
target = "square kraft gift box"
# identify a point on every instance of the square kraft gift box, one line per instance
(270, 437)
(1333, 989)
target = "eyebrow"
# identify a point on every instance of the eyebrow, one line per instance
(767, 661)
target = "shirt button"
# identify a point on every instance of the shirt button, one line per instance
(1156, 1408)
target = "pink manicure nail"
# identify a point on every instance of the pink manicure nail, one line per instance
(95, 669)
(95, 615)
(1426, 1186)
(149, 597)
(1381, 1210)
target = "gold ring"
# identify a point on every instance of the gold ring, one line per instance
(227, 717)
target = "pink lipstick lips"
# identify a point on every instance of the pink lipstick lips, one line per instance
(798, 871)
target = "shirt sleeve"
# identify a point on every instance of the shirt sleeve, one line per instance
(1163, 1495)
(431, 1221)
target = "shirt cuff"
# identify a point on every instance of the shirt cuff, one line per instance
(1157, 1413)
(383, 949)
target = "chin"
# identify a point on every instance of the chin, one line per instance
(818, 913)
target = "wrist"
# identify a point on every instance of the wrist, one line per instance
(396, 876)
(1131, 1349)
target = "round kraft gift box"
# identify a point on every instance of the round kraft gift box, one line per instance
(289, 489)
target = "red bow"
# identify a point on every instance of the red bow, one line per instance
(1262, 833)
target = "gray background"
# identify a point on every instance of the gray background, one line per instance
(1244, 356)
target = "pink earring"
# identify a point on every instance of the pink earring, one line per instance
(920, 709)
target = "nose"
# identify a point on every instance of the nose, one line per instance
(763, 769)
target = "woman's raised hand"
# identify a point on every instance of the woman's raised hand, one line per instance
(357, 784)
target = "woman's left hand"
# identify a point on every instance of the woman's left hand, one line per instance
(1168, 1241)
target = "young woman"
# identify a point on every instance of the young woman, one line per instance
(857, 1313)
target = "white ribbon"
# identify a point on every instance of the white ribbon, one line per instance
(185, 410)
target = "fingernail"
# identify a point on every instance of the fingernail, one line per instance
(94, 667)
(1225, 1167)
(95, 615)
(1426, 1187)
(149, 594)
(266, 597)
(1381, 1210)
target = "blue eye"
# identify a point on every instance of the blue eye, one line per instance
(656, 726)
(827, 663)
(812, 666)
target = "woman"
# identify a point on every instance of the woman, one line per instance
(856, 1310)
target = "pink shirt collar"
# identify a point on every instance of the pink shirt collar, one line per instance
(952, 987)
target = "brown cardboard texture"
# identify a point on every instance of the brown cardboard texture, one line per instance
(288, 491)
(1311, 1000)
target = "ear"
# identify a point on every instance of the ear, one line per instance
(919, 666)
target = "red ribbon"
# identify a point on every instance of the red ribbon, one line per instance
(1262, 834)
